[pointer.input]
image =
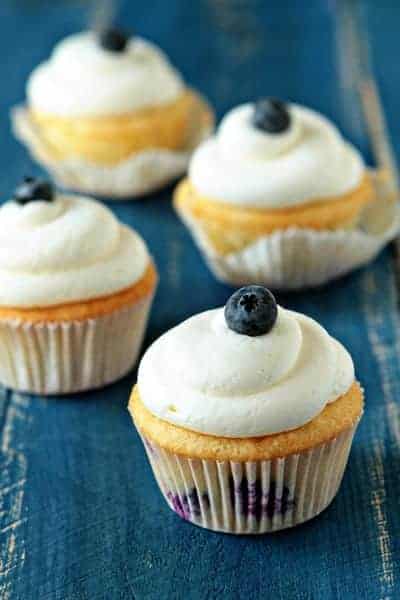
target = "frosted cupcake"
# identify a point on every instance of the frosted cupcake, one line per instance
(110, 115)
(247, 415)
(76, 288)
(277, 196)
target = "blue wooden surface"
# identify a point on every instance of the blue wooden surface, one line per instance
(80, 515)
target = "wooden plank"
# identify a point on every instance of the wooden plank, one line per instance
(80, 514)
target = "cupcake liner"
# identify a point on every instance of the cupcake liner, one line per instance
(139, 174)
(71, 356)
(255, 496)
(300, 258)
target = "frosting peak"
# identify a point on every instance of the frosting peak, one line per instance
(67, 250)
(238, 137)
(245, 166)
(205, 377)
(83, 79)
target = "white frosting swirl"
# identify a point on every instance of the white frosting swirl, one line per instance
(244, 166)
(83, 79)
(205, 377)
(67, 250)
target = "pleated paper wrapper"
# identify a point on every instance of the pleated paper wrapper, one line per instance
(251, 497)
(301, 258)
(137, 175)
(71, 356)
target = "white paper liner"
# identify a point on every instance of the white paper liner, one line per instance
(255, 496)
(71, 356)
(140, 174)
(301, 258)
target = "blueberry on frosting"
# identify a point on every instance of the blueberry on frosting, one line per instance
(113, 39)
(32, 189)
(251, 311)
(271, 115)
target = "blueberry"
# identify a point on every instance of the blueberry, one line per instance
(252, 311)
(113, 40)
(271, 115)
(33, 189)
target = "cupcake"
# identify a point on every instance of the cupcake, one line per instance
(76, 288)
(278, 197)
(110, 115)
(247, 415)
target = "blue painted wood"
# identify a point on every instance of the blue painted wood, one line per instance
(80, 515)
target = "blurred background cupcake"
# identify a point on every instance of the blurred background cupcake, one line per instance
(76, 287)
(277, 196)
(109, 114)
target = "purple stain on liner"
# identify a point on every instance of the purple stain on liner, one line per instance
(188, 506)
(250, 499)
(150, 447)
